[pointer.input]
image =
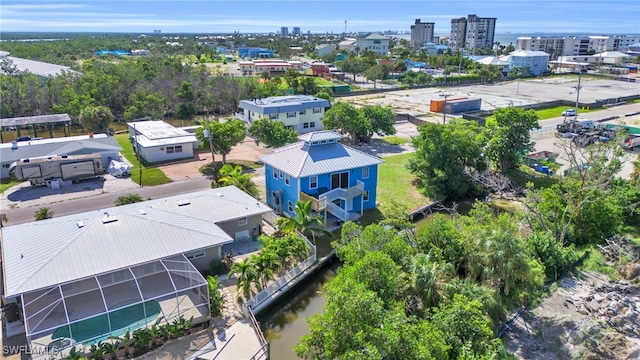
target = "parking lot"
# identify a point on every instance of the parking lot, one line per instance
(516, 93)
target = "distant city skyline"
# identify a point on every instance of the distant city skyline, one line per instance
(226, 16)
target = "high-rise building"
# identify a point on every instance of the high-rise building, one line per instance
(473, 33)
(421, 32)
(296, 31)
(458, 32)
(284, 31)
(576, 45)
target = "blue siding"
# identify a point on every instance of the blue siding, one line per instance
(289, 192)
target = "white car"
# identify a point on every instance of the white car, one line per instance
(569, 112)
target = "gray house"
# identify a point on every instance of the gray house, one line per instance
(84, 278)
(107, 146)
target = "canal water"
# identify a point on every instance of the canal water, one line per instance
(286, 322)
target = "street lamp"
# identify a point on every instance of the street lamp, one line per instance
(444, 107)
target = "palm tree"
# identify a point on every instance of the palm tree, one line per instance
(233, 175)
(429, 279)
(247, 275)
(504, 261)
(266, 265)
(305, 221)
(43, 213)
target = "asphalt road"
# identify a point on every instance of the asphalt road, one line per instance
(106, 200)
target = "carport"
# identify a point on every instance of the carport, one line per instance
(50, 120)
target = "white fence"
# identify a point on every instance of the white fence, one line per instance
(283, 281)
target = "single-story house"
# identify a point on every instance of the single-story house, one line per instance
(157, 141)
(107, 146)
(84, 278)
(325, 49)
(303, 113)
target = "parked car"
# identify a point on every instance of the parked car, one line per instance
(569, 112)
(24, 138)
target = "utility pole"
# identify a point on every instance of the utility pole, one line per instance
(444, 107)
(138, 154)
(578, 92)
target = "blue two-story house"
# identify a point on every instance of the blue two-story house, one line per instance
(339, 180)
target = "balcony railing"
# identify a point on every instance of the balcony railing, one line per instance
(316, 204)
(345, 194)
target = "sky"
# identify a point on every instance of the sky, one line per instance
(317, 16)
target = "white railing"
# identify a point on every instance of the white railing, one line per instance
(346, 194)
(283, 281)
(337, 211)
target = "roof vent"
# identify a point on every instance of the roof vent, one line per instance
(142, 211)
(219, 194)
(80, 224)
(183, 202)
(109, 219)
(64, 156)
(25, 160)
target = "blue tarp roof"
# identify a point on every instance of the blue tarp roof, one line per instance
(112, 52)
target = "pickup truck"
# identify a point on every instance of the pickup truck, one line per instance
(631, 142)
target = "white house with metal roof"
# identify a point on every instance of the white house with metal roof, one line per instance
(106, 146)
(36, 67)
(84, 278)
(158, 141)
(339, 180)
(377, 43)
(303, 113)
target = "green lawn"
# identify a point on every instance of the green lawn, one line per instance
(320, 81)
(395, 182)
(394, 140)
(557, 111)
(7, 183)
(151, 175)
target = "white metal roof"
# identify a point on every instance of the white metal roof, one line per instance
(58, 146)
(39, 67)
(45, 253)
(159, 133)
(301, 160)
(320, 135)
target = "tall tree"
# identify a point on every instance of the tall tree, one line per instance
(272, 133)
(380, 118)
(344, 116)
(246, 273)
(443, 153)
(185, 94)
(375, 73)
(95, 118)
(221, 136)
(510, 136)
(353, 65)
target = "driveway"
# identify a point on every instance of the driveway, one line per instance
(189, 169)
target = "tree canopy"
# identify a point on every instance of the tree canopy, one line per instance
(510, 136)
(95, 118)
(359, 123)
(272, 133)
(443, 153)
(221, 136)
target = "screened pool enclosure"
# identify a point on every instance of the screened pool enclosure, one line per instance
(93, 309)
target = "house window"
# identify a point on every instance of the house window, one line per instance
(317, 110)
(178, 149)
(312, 124)
(290, 206)
(273, 116)
(195, 254)
(365, 172)
(242, 222)
(302, 112)
(276, 198)
(305, 125)
(287, 179)
(281, 174)
(313, 182)
(365, 195)
(291, 114)
(6, 166)
(170, 150)
(275, 173)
